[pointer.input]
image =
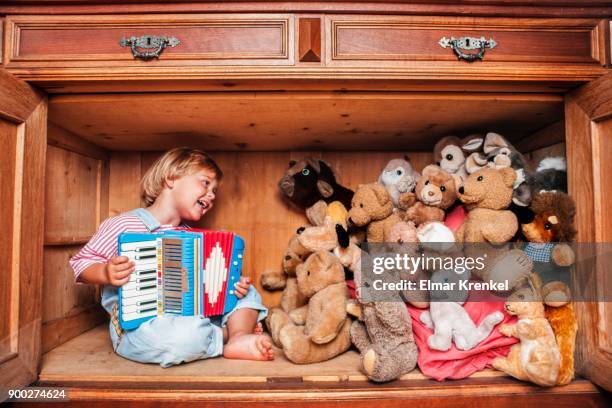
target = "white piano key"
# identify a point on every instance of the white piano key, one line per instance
(138, 315)
(132, 246)
(138, 299)
(136, 292)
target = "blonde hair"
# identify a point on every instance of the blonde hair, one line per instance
(173, 164)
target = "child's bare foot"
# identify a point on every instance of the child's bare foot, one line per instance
(258, 329)
(249, 347)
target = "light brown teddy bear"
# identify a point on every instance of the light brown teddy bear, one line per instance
(486, 194)
(372, 206)
(319, 330)
(435, 192)
(536, 358)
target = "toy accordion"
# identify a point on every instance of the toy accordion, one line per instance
(179, 272)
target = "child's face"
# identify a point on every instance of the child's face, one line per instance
(194, 194)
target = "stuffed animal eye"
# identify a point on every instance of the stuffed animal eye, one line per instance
(547, 225)
(305, 172)
(480, 178)
(360, 205)
(442, 188)
(399, 172)
(449, 157)
(427, 182)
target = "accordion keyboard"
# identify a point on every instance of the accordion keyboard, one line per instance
(140, 293)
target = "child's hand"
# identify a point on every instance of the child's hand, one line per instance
(242, 287)
(118, 270)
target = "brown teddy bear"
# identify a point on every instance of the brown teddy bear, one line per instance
(487, 194)
(435, 192)
(319, 330)
(372, 206)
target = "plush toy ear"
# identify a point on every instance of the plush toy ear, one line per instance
(382, 196)
(472, 143)
(494, 141)
(431, 170)
(325, 189)
(343, 236)
(314, 164)
(508, 175)
(475, 162)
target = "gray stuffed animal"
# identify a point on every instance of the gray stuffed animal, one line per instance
(398, 177)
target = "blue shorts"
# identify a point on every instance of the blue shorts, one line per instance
(170, 340)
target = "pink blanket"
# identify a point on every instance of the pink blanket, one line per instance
(454, 363)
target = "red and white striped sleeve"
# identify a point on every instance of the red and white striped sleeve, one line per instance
(103, 245)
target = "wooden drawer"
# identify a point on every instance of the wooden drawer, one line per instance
(81, 41)
(400, 41)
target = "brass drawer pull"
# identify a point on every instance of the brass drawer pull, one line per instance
(141, 45)
(469, 44)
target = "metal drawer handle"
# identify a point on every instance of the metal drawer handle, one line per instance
(141, 45)
(469, 44)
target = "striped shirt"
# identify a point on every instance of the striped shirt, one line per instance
(103, 245)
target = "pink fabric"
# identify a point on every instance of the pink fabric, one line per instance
(455, 217)
(453, 363)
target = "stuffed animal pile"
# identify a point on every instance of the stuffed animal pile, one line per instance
(481, 191)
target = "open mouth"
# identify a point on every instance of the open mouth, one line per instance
(203, 204)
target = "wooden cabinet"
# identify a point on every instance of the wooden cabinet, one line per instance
(259, 85)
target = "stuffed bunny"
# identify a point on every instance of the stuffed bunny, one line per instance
(448, 318)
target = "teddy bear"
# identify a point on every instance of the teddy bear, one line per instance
(486, 194)
(435, 192)
(372, 207)
(309, 180)
(383, 335)
(398, 177)
(447, 317)
(537, 357)
(318, 330)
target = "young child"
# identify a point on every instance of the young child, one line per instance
(180, 187)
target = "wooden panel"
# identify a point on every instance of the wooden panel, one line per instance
(26, 141)
(602, 168)
(62, 296)
(309, 40)
(289, 121)
(59, 331)
(358, 40)
(62, 138)
(71, 197)
(11, 168)
(124, 181)
(547, 136)
(589, 125)
(247, 39)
